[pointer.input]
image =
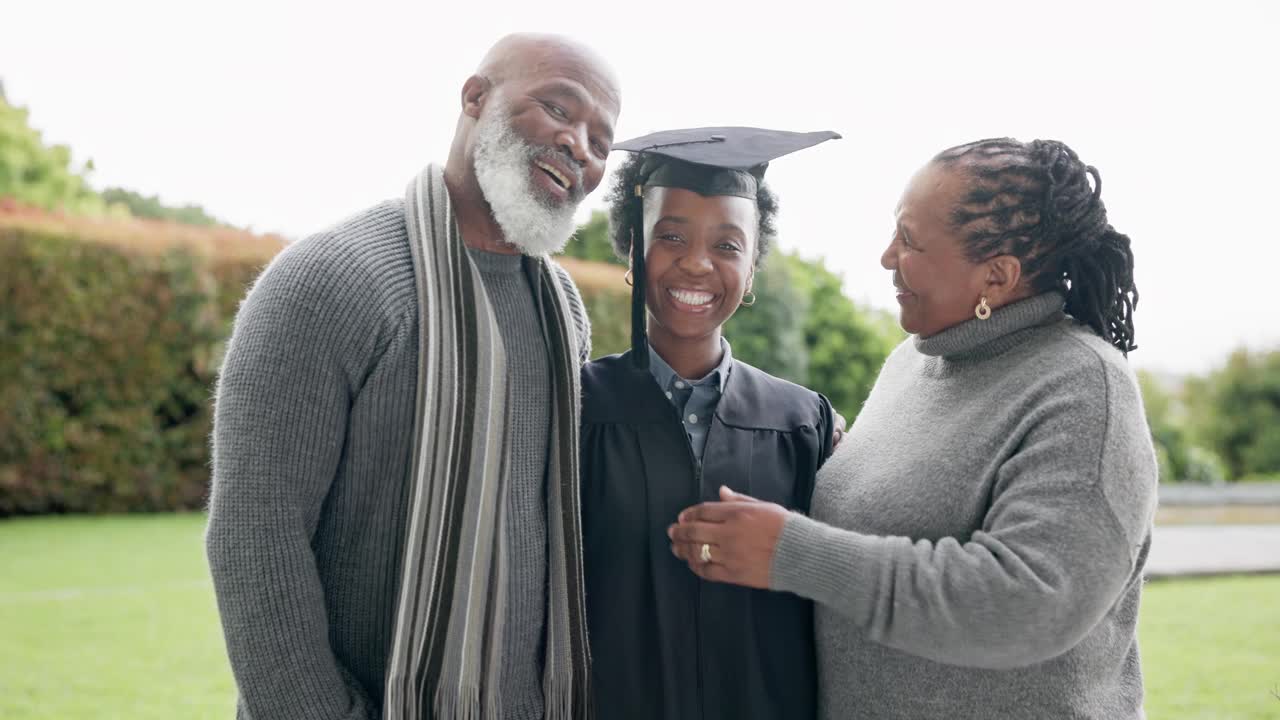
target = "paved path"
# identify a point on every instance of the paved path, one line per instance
(1260, 493)
(1214, 550)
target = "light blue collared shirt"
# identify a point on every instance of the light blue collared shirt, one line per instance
(695, 400)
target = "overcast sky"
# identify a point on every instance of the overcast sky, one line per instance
(289, 116)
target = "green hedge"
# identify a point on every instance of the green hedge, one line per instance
(105, 376)
(109, 357)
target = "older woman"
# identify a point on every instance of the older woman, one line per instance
(976, 545)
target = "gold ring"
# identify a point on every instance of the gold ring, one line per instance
(706, 553)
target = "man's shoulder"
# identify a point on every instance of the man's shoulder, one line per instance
(386, 217)
(364, 258)
(566, 280)
(372, 239)
(577, 307)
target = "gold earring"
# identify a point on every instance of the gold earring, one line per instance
(753, 299)
(983, 311)
(626, 277)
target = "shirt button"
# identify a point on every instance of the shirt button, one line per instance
(693, 419)
(679, 385)
(668, 394)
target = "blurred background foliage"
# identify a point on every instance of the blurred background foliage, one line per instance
(114, 309)
(38, 174)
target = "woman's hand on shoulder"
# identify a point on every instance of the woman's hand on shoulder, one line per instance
(838, 426)
(731, 541)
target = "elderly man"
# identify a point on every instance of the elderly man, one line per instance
(394, 529)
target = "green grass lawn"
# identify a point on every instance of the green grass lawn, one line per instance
(1211, 648)
(114, 618)
(109, 617)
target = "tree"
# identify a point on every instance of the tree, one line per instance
(39, 174)
(847, 345)
(1168, 437)
(1179, 458)
(1236, 412)
(770, 333)
(149, 206)
(591, 241)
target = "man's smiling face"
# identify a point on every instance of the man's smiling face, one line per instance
(540, 145)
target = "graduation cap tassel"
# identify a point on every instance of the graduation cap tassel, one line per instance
(639, 342)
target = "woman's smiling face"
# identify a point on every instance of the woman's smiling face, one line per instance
(699, 259)
(938, 285)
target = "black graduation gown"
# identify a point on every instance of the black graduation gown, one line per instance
(664, 643)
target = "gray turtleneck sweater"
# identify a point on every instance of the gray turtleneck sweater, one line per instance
(977, 542)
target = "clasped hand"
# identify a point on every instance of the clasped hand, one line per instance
(740, 533)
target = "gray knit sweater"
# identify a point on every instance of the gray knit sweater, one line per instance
(977, 542)
(311, 444)
(529, 377)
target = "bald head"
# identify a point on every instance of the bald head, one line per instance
(537, 117)
(521, 56)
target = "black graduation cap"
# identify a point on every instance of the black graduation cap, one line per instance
(708, 161)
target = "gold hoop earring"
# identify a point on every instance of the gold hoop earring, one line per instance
(753, 299)
(626, 278)
(983, 311)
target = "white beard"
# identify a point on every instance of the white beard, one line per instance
(503, 164)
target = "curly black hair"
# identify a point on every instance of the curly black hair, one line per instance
(622, 200)
(1034, 201)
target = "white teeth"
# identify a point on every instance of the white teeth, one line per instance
(558, 175)
(691, 297)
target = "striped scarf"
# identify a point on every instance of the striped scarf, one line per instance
(446, 650)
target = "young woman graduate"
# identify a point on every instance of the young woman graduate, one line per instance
(677, 421)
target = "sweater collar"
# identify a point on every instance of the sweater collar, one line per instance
(491, 263)
(976, 338)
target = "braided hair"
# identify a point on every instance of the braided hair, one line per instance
(622, 202)
(1034, 201)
